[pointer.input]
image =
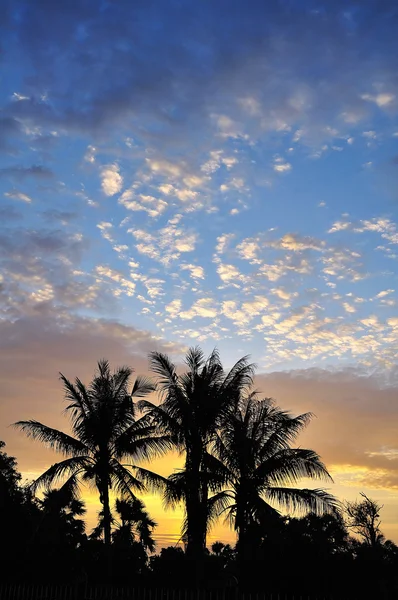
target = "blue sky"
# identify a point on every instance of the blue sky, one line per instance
(215, 173)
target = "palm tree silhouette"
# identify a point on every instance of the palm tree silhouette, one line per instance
(252, 457)
(192, 409)
(135, 524)
(60, 509)
(106, 433)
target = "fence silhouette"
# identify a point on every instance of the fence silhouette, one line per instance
(112, 592)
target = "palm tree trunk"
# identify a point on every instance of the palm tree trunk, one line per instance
(243, 543)
(107, 515)
(196, 535)
(104, 497)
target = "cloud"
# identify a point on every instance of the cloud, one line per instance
(196, 272)
(174, 308)
(53, 215)
(106, 229)
(242, 315)
(90, 154)
(281, 166)
(20, 173)
(111, 180)
(137, 96)
(384, 293)
(9, 213)
(297, 243)
(141, 202)
(229, 274)
(166, 244)
(381, 100)
(126, 286)
(16, 195)
(203, 307)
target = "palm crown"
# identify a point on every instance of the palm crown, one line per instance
(193, 407)
(252, 458)
(106, 432)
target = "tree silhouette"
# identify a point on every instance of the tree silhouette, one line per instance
(193, 407)
(252, 456)
(364, 519)
(132, 524)
(106, 432)
(19, 517)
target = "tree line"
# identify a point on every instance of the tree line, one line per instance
(240, 464)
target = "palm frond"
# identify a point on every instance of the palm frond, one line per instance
(71, 488)
(142, 387)
(284, 430)
(152, 481)
(77, 396)
(217, 505)
(304, 500)
(240, 376)
(289, 465)
(175, 489)
(194, 359)
(217, 472)
(55, 439)
(145, 448)
(164, 422)
(164, 368)
(70, 466)
(123, 480)
(104, 370)
(120, 380)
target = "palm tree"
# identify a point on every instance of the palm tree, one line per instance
(106, 432)
(193, 407)
(60, 509)
(252, 457)
(135, 523)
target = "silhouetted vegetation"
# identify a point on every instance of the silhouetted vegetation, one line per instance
(240, 465)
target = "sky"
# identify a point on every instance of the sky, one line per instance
(221, 173)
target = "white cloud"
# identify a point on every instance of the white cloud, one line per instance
(15, 195)
(174, 308)
(380, 99)
(127, 286)
(281, 166)
(141, 202)
(164, 167)
(105, 229)
(196, 272)
(90, 154)
(282, 293)
(165, 245)
(248, 249)
(297, 243)
(340, 226)
(384, 293)
(349, 308)
(229, 273)
(111, 180)
(244, 314)
(223, 241)
(204, 307)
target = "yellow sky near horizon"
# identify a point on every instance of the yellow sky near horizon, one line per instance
(168, 530)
